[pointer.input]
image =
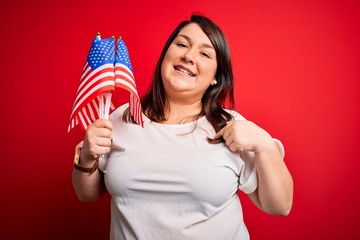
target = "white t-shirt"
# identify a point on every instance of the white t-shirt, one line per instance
(168, 182)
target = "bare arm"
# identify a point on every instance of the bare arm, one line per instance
(274, 194)
(90, 187)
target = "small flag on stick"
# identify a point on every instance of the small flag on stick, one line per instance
(124, 78)
(96, 83)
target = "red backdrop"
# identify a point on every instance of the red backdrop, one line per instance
(296, 66)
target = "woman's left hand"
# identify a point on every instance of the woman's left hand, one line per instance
(243, 135)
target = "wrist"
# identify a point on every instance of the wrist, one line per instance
(85, 166)
(84, 160)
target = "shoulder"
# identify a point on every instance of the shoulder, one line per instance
(235, 114)
(118, 112)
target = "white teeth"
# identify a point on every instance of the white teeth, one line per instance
(180, 69)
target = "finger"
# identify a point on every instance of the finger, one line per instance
(233, 147)
(104, 133)
(228, 130)
(97, 152)
(103, 151)
(107, 124)
(103, 142)
(229, 138)
(103, 123)
(100, 128)
(231, 143)
(220, 133)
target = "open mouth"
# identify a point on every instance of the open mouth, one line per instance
(184, 70)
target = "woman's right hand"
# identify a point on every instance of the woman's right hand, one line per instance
(98, 138)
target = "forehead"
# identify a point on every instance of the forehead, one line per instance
(195, 34)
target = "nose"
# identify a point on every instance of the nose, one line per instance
(188, 57)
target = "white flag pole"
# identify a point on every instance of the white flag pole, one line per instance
(101, 106)
(107, 105)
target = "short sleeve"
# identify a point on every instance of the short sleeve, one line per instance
(248, 181)
(280, 146)
(248, 177)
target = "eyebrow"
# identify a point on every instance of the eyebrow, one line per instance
(189, 39)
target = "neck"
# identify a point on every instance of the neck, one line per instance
(182, 112)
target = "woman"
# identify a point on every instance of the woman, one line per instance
(178, 177)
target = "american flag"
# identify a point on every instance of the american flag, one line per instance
(97, 78)
(124, 78)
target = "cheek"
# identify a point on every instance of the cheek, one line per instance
(171, 53)
(208, 70)
(162, 71)
(165, 67)
(167, 61)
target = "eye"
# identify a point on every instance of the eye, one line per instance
(205, 54)
(181, 44)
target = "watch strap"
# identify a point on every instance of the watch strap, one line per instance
(81, 168)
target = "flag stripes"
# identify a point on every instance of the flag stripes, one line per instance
(124, 78)
(88, 114)
(94, 84)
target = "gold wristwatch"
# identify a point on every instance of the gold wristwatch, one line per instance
(81, 168)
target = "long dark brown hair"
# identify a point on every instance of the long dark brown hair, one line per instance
(214, 98)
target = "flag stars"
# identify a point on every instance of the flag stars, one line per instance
(122, 54)
(101, 52)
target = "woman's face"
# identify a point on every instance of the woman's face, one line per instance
(189, 65)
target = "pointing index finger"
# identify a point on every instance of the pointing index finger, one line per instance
(220, 133)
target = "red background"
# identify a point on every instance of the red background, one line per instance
(296, 65)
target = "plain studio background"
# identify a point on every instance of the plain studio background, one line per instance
(296, 66)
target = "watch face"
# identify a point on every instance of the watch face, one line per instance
(77, 155)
